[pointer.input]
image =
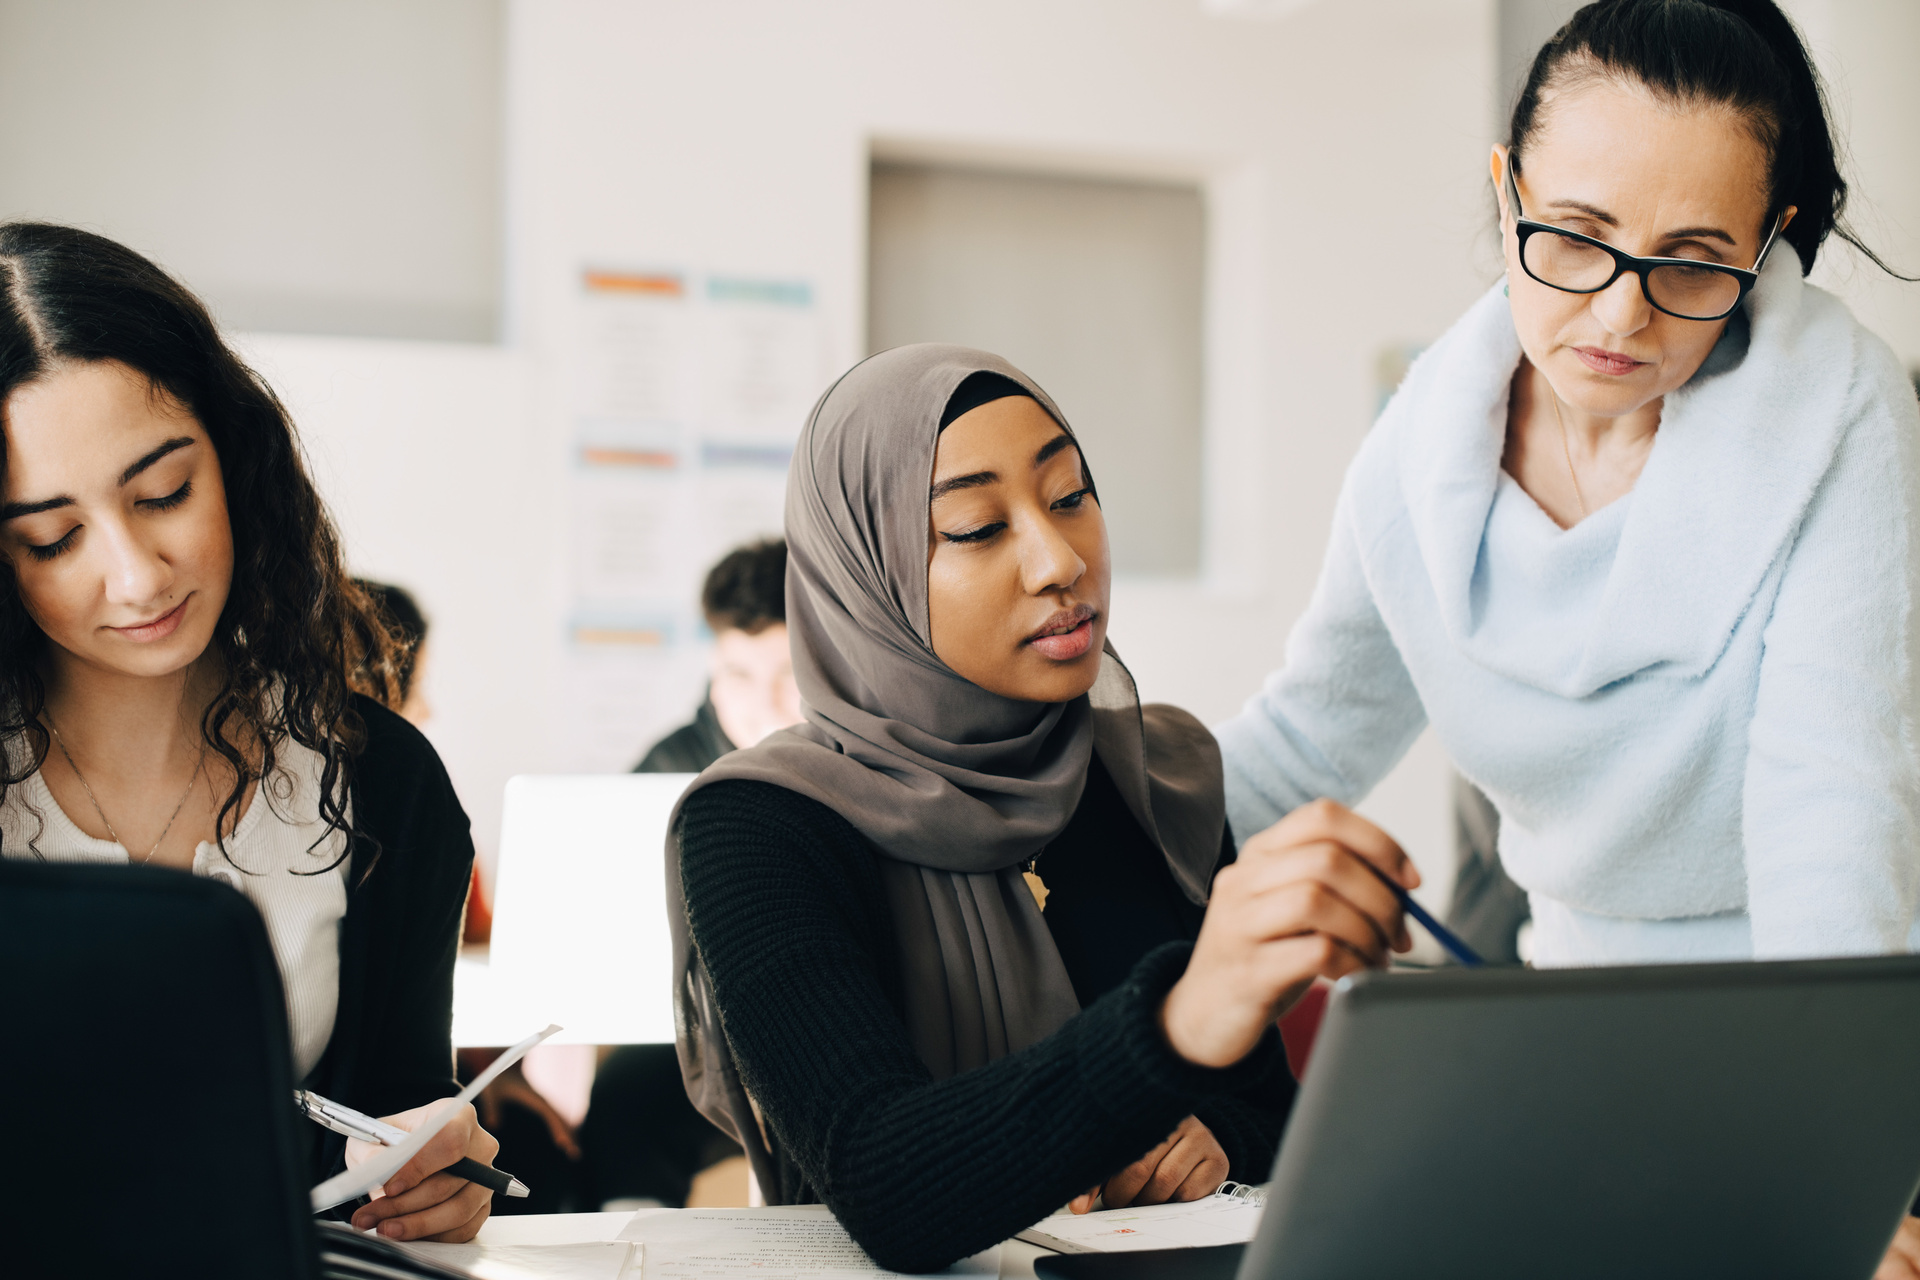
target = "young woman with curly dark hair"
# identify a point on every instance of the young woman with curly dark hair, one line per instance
(189, 678)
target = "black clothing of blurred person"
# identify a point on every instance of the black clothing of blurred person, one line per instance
(642, 1139)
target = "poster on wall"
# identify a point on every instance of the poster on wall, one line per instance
(687, 391)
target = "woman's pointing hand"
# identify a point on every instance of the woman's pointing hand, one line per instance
(1299, 903)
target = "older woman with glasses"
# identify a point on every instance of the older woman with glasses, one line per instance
(1637, 536)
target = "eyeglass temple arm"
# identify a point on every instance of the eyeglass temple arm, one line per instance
(1513, 188)
(1779, 224)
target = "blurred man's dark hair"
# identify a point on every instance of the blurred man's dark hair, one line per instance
(747, 591)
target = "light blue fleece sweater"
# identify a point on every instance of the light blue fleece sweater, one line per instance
(1695, 710)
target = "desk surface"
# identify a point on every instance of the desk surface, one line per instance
(1016, 1256)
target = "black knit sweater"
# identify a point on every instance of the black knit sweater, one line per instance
(785, 903)
(392, 1043)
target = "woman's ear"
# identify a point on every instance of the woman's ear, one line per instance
(1497, 170)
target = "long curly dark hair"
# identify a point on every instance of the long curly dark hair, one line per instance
(297, 637)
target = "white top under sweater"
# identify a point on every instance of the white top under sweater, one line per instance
(274, 840)
(1696, 709)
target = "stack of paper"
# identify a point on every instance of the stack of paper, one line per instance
(346, 1254)
(801, 1242)
(601, 1260)
(1216, 1219)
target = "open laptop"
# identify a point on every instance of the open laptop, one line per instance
(1757, 1119)
(580, 921)
(150, 1129)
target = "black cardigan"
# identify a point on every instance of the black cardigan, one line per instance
(785, 904)
(392, 1043)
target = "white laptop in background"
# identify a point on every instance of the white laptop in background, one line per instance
(579, 915)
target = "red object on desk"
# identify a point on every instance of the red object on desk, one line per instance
(478, 927)
(1301, 1024)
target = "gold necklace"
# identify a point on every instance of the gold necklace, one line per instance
(95, 800)
(1566, 449)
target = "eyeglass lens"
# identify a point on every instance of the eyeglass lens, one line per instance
(1572, 264)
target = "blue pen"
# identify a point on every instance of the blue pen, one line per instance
(1441, 934)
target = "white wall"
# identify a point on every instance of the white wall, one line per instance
(423, 453)
(318, 166)
(1524, 25)
(1869, 53)
(1095, 289)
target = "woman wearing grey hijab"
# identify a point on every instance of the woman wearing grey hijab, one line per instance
(871, 995)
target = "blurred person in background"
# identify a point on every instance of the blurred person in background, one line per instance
(407, 626)
(536, 1141)
(644, 1141)
(751, 691)
(1486, 908)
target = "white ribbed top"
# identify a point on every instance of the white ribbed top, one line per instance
(273, 840)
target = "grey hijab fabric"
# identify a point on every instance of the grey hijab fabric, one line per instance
(956, 787)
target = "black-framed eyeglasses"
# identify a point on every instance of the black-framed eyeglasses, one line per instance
(1685, 288)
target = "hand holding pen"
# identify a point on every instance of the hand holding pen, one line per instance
(1449, 941)
(443, 1192)
(1317, 895)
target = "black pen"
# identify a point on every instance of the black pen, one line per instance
(499, 1181)
(355, 1124)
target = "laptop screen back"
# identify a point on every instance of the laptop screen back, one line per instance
(1692, 1120)
(580, 926)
